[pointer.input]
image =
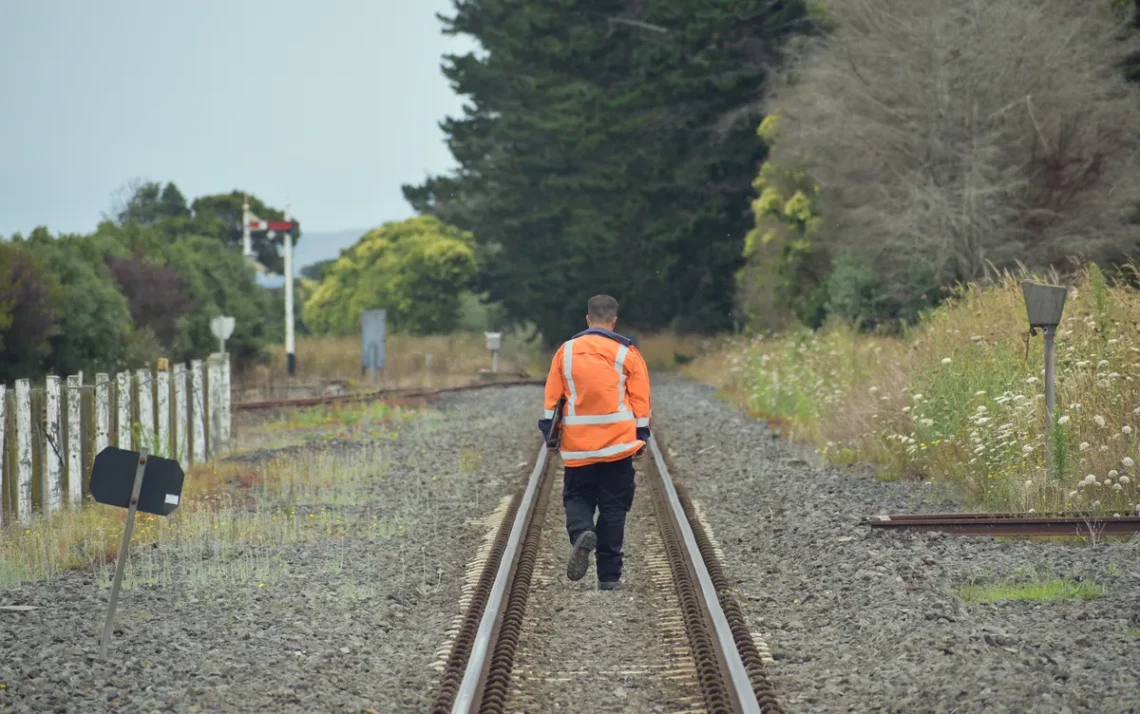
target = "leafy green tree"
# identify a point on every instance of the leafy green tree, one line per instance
(217, 215)
(93, 323)
(26, 312)
(607, 146)
(416, 269)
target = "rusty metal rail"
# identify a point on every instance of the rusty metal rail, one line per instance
(478, 671)
(407, 393)
(1012, 524)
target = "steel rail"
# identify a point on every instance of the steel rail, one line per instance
(466, 699)
(741, 683)
(1010, 524)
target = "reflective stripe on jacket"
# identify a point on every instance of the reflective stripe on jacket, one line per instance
(606, 385)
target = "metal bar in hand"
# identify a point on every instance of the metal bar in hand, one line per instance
(121, 563)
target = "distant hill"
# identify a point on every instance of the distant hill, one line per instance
(314, 247)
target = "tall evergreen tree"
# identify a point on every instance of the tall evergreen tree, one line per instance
(608, 147)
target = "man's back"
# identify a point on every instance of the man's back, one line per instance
(606, 385)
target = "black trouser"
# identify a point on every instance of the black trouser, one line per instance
(608, 487)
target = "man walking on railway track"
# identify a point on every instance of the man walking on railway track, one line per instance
(604, 383)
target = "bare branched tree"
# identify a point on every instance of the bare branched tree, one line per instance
(967, 134)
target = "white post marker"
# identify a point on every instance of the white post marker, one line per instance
(494, 342)
(3, 450)
(102, 411)
(181, 420)
(146, 407)
(24, 450)
(162, 379)
(121, 563)
(290, 346)
(222, 327)
(198, 411)
(53, 449)
(123, 403)
(74, 440)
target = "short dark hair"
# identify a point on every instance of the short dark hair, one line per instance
(602, 307)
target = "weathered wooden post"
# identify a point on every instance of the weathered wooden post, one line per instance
(102, 411)
(74, 441)
(181, 419)
(162, 379)
(123, 403)
(52, 464)
(23, 450)
(198, 411)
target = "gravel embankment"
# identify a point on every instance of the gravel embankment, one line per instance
(862, 621)
(349, 623)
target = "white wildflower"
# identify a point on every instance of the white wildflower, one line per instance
(873, 389)
(1125, 480)
(1126, 430)
(946, 360)
(927, 422)
(1032, 380)
(918, 397)
(1027, 449)
(1117, 487)
(1072, 494)
(1090, 479)
(1085, 446)
(1102, 363)
(982, 393)
(1113, 473)
(1099, 420)
(906, 410)
(1096, 504)
(1128, 462)
(1064, 419)
(981, 409)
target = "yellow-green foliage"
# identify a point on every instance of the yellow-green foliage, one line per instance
(415, 269)
(957, 400)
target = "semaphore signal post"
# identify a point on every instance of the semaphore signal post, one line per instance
(289, 229)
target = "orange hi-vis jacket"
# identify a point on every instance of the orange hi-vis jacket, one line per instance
(606, 384)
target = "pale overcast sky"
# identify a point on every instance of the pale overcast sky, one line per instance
(331, 103)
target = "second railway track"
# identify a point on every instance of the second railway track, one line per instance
(528, 641)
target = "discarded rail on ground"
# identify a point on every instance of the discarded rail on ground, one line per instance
(1012, 524)
(405, 393)
(729, 668)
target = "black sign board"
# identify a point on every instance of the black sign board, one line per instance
(113, 477)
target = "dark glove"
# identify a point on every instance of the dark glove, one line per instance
(642, 434)
(544, 426)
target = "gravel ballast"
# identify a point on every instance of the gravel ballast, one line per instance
(863, 621)
(350, 623)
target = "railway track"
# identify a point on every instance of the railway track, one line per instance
(692, 649)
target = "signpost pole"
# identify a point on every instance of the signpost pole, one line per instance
(246, 247)
(121, 563)
(290, 347)
(1050, 393)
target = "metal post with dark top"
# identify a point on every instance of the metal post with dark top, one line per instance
(121, 563)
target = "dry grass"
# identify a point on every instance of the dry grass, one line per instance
(411, 361)
(958, 400)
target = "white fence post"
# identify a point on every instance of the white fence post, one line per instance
(197, 410)
(162, 379)
(226, 424)
(74, 440)
(3, 446)
(52, 466)
(102, 411)
(214, 375)
(181, 429)
(23, 450)
(123, 402)
(146, 409)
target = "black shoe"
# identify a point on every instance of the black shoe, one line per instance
(609, 584)
(580, 557)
